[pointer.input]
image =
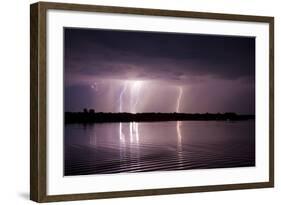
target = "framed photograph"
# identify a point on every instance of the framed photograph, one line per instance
(134, 102)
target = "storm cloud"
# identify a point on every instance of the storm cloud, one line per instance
(217, 73)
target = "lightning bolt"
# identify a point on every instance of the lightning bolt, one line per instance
(180, 157)
(179, 99)
(135, 90)
(121, 135)
(121, 97)
(178, 110)
(135, 87)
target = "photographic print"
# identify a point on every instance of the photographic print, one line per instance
(122, 98)
(142, 101)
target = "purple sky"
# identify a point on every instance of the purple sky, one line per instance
(129, 71)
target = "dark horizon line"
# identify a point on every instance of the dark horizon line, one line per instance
(97, 117)
(91, 110)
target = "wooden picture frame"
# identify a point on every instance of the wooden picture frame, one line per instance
(38, 101)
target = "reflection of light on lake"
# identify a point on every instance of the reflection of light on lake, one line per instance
(122, 142)
(129, 138)
(134, 132)
(131, 132)
(179, 132)
(93, 138)
(136, 128)
(162, 146)
(134, 140)
(121, 134)
(179, 145)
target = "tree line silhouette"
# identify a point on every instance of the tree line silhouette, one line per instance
(90, 116)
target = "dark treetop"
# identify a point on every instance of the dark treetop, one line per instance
(92, 117)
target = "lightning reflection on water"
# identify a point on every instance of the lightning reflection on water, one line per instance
(179, 134)
(134, 88)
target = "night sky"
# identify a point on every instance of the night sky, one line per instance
(134, 71)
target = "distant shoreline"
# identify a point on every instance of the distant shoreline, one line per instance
(100, 117)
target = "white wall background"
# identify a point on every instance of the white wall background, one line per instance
(14, 101)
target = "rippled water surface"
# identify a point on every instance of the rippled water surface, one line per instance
(158, 146)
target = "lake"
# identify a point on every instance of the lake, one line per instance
(104, 148)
